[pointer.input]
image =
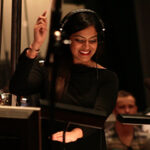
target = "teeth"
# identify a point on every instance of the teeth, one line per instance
(84, 52)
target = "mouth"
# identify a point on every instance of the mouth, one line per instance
(84, 52)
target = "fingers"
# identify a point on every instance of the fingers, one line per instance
(40, 27)
(44, 14)
(42, 18)
(41, 23)
(58, 136)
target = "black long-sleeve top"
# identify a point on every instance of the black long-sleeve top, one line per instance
(88, 87)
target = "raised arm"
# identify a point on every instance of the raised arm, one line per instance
(29, 75)
(40, 32)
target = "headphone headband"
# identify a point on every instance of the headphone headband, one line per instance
(66, 18)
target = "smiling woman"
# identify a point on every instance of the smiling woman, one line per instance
(84, 45)
(80, 79)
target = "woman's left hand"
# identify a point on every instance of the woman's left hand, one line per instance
(70, 136)
(40, 31)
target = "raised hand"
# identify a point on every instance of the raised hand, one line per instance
(40, 32)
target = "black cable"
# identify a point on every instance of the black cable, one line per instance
(64, 135)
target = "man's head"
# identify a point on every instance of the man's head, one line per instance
(126, 103)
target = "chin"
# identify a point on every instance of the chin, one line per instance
(85, 61)
(82, 61)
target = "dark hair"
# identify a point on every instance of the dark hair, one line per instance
(80, 19)
(123, 93)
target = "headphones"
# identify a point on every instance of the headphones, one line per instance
(70, 14)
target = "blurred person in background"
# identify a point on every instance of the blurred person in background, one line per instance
(121, 136)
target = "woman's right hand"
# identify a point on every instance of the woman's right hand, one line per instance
(40, 32)
(70, 136)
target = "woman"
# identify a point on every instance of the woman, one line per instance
(80, 79)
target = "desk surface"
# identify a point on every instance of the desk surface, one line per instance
(17, 112)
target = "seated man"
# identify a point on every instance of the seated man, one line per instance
(124, 136)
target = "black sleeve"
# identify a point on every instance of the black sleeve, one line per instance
(28, 77)
(106, 99)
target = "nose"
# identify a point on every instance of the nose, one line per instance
(127, 110)
(87, 45)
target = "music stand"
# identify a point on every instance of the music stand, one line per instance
(133, 119)
(20, 128)
(76, 115)
(66, 113)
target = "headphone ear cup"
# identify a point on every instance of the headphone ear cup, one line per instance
(63, 35)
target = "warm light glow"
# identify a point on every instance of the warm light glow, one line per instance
(57, 33)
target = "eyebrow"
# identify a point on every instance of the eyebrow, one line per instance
(84, 37)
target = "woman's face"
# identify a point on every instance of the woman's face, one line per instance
(83, 45)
